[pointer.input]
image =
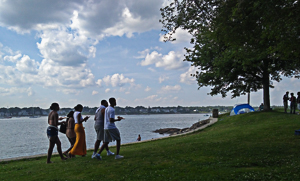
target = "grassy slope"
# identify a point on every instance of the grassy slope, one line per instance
(254, 146)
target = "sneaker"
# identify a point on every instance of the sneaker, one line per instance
(98, 157)
(110, 153)
(119, 157)
(94, 155)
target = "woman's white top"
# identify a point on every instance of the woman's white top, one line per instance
(75, 115)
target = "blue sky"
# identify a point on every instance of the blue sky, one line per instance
(83, 51)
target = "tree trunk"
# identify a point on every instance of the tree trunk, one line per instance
(249, 98)
(266, 90)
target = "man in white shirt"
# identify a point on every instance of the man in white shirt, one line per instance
(111, 132)
(99, 128)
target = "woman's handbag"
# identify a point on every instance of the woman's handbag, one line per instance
(63, 128)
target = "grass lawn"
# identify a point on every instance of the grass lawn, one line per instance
(253, 146)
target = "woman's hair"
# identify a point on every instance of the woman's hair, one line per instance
(70, 115)
(54, 106)
(78, 107)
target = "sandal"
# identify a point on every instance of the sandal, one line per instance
(66, 154)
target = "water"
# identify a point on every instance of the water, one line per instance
(27, 136)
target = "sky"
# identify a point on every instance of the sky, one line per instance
(82, 51)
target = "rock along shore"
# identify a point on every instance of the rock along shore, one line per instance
(175, 131)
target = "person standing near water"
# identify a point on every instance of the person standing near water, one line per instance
(99, 128)
(111, 132)
(285, 101)
(52, 132)
(70, 133)
(79, 147)
(139, 138)
(293, 103)
(298, 101)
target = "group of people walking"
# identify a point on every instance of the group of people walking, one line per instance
(293, 102)
(105, 128)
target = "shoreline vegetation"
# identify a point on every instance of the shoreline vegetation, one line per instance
(252, 146)
(34, 112)
(138, 110)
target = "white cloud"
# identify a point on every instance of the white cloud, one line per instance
(122, 89)
(152, 58)
(117, 80)
(143, 53)
(13, 58)
(181, 36)
(117, 18)
(67, 48)
(187, 78)
(27, 71)
(151, 69)
(169, 88)
(69, 91)
(163, 78)
(173, 60)
(14, 91)
(27, 65)
(29, 91)
(99, 82)
(53, 74)
(95, 92)
(107, 90)
(151, 98)
(147, 89)
(95, 19)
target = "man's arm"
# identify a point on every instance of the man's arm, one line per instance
(114, 120)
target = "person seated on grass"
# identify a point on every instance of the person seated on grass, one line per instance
(261, 107)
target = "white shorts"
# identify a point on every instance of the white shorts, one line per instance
(111, 135)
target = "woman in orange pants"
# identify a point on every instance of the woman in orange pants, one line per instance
(79, 147)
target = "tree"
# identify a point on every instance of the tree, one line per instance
(239, 46)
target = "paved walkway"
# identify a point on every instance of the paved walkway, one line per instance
(212, 121)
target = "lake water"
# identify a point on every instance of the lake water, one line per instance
(27, 136)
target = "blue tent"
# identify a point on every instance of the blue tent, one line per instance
(240, 109)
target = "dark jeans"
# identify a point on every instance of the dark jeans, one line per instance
(293, 107)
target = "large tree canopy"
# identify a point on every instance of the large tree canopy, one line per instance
(239, 46)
